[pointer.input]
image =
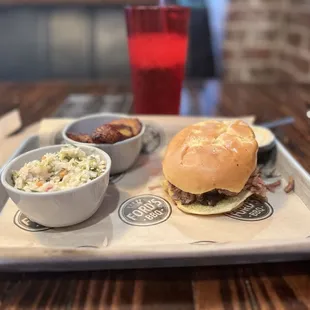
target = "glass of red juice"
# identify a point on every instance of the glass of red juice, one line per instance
(157, 43)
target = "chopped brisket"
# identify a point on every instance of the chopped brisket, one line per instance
(290, 185)
(208, 199)
(184, 197)
(272, 186)
(227, 193)
(255, 184)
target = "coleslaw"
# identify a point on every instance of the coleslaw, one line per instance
(69, 168)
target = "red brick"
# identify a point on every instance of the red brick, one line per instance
(282, 56)
(235, 35)
(237, 15)
(272, 2)
(239, 2)
(263, 74)
(301, 64)
(300, 2)
(299, 18)
(269, 35)
(257, 53)
(294, 39)
(264, 15)
(232, 75)
(228, 54)
(284, 76)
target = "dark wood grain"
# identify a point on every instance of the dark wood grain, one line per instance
(255, 287)
(76, 2)
(266, 102)
(269, 102)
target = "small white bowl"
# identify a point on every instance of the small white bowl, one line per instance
(123, 154)
(264, 137)
(61, 208)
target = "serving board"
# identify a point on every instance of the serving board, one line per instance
(138, 225)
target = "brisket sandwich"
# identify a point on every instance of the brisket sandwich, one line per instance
(210, 167)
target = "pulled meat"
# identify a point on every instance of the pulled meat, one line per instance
(84, 138)
(272, 186)
(184, 197)
(210, 198)
(227, 193)
(207, 199)
(255, 184)
(290, 186)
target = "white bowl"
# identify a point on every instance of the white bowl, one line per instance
(61, 208)
(264, 137)
(123, 154)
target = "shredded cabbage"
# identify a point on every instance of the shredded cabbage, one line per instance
(69, 168)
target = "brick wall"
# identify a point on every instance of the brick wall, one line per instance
(267, 41)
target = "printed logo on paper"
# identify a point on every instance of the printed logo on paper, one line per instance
(145, 210)
(252, 210)
(23, 222)
(151, 140)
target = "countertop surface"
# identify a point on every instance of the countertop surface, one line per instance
(258, 286)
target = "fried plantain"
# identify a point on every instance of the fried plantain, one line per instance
(133, 123)
(107, 134)
(115, 131)
(84, 138)
(124, 130)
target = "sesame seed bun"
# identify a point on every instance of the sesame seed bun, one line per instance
(211, 155)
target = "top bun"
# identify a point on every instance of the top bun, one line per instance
(211, 155)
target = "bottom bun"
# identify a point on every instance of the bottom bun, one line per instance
(224, 206)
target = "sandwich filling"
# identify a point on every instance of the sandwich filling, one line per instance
(255, 185)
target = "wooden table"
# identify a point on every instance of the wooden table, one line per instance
(262, 286)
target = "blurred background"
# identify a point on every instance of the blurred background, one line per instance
(68, 43)
(86, 39)
(267, 41)
(234, 40)
(68, 58)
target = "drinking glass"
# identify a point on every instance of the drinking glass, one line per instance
(157, 43)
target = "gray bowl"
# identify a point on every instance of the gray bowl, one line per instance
(123, 154)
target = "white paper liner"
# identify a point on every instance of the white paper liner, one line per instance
(286, 217)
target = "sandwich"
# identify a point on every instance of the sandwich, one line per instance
(211, 167)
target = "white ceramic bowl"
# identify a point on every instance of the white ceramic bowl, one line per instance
(264, 137)
(61, 208)
(123, 154)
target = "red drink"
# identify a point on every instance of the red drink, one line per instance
(157, 47)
